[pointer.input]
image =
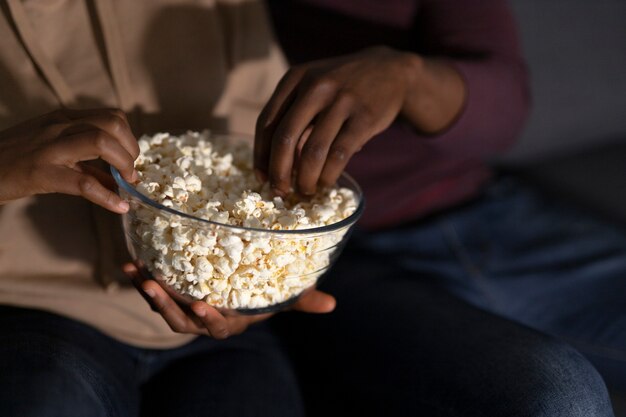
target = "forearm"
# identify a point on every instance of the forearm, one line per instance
(469, 107)
(481, 48)
(495, 109)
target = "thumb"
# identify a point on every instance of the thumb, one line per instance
(315, 302)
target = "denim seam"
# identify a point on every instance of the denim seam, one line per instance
(473, 271)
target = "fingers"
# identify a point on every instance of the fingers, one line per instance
(220, 326)
(130, 269)
(338, 122)
(271, 114)
(46, 155)
(137, 278)
(112, 121)
(315, 302)
(58, 116)
(104, 177)
(334, 139)
(116, 125)
(287, 135)
(350, 139)
(315, 150)
(174, 316)
(75, 136)
(201, 320)
(68, 181)
(211, 319)
(63, 172)
(239, 323)
(89, 145)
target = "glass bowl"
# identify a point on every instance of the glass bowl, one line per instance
(302, 256)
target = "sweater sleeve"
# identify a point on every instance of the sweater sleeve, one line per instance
(480, 40)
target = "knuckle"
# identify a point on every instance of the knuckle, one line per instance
(100, 141)
(339, 153)
(115, 123)
(314, 152)
(323, 85)
(365, 118)
(220, 332)
(86, 185)
(346, 98)
(284, 139)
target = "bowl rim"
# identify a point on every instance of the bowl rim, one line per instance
(348, 221)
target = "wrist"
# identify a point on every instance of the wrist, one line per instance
(412, 66)
(434, 95)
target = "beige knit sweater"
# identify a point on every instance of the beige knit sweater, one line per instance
(171, 64)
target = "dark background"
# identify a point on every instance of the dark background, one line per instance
(575, 142)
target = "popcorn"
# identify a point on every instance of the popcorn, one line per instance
(203, 268)
(233, 246)
(237, 268)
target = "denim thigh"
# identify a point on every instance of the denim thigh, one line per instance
(398, 344)
(533, 259)
(51, 366)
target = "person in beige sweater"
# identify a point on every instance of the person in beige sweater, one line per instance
(79, 80)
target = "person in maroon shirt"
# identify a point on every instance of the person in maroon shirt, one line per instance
(451, 262)
(433, 84)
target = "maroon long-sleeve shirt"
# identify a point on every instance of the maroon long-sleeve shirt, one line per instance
(406, 175)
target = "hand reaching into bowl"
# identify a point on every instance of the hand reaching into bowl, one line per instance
(50, 154)
(202, 319)
(325, 111)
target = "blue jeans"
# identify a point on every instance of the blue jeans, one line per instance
(54, 367)
(481, 311)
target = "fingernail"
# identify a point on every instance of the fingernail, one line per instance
(260, 176)
(200, 312)
(123, 205)
(135, 175)
(150, 292)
